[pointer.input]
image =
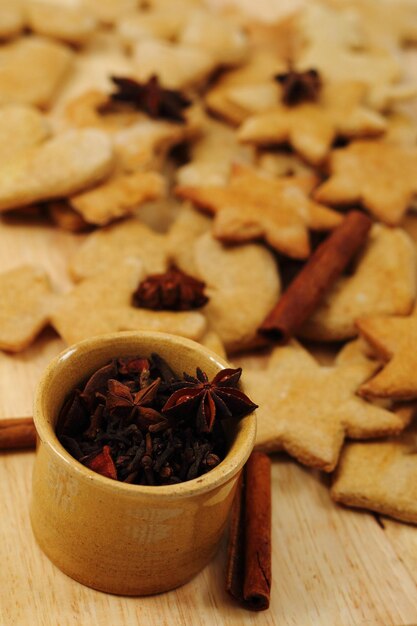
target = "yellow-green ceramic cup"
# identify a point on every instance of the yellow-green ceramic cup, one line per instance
(116, 537)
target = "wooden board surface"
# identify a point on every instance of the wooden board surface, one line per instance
(331, 566)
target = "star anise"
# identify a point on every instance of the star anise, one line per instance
(219, 398)
(132, 365)
(172, 291)
(298, 87)
(73, 418)
(150, 97)
(134, 407)
(97, 384)
(101, 462)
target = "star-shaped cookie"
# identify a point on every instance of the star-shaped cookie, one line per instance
(26, 304)
(308, 410)
(393, 339)
(380, 476)
(118, 196)
(380, 175)
(253, 207)
(388, 259)
(311, 127)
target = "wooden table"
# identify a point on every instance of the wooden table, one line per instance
(331, 566)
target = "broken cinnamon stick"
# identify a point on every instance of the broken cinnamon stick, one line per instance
(320, 272)
(248, 576)
(17, 433)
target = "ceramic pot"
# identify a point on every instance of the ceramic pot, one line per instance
(117, 537)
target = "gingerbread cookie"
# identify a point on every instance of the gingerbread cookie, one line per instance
(385, 24)
(379, 175)
(156, 20)
(71, 23)
(118, 196)
(21, 127)
(259, 70)
(139, 141)
(105, 248)
(281, 163)
(155, 23)
(222, 38)
(109, 11)
(103, 304)
(25, 306)
(212, 155)
(12, 18)
(59, 167)
(401, 130)
(32, 69)
(336, 44)
(66, 218)
(187, 228)
(311, 127)
(254, 207)
(242, 282)
(392, 339)
(178, 66)
(308, 410)
(380, 476)
(90, 110)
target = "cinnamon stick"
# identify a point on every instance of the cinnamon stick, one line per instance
(17, 433)
(248, 576)
(325, 265)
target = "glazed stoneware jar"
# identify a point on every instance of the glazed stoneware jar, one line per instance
(113, 536)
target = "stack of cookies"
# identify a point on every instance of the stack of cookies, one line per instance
(199, 158)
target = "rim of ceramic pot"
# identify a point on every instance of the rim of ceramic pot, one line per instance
(230, 465)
